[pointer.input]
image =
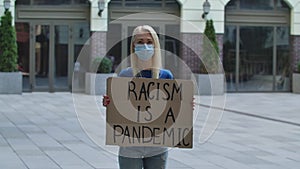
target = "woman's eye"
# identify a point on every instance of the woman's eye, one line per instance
(149, 42)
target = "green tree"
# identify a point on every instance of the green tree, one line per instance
(102, 65)
(210, 50)
(8, 44)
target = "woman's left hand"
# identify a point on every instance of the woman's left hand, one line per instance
(105, 100)
(193, 103)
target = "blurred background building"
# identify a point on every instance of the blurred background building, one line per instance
(259, 40)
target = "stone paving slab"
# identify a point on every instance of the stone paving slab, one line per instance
(257, 131)
(277, 106)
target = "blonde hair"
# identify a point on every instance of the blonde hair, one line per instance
(156, 59)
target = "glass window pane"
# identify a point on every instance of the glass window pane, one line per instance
(257, 4)
(232, 4)
(61, 56)
(80, 36)
(81, 1)
(144, 3)
(172, 3)
(282, 68)
(23, 2)
(81, 33)
(116, 2)
(171, 49)
(114, 44)
(22, 30)
(281, 5)
(229, 56)
(42, 47)
(52, 2)
(256, 65)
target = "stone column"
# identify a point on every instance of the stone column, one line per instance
(295, 51)
(191, 50)
(220, 44)
(192, 47)
(98, 44)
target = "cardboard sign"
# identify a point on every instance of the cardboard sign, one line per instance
(149, 112)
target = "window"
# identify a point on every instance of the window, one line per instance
(233, 4)
(51, 2)
(23, 2)
(143, 3)
(257, 5)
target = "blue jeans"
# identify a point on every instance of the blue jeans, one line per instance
(155, 162)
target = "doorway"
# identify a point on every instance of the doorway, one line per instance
(50, 38)
(46, 59)
(256, 52)
(50, 57)
(256, 58)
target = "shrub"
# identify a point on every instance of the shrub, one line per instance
(8, 44)
(298, 67)
(210, 50)
(102, 65)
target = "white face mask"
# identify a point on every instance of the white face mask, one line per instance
(144, 51)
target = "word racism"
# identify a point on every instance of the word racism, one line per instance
(158, 112)
(144, 91)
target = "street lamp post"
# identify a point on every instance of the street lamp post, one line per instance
(6, 5)
(206, 9)
(101, 5)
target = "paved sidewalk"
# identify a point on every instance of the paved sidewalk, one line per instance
(257, 131)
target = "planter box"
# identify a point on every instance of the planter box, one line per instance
(11, 83)
(95, 83)
(296, 83)
(210, 84)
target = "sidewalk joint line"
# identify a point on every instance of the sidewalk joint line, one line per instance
(251, 115)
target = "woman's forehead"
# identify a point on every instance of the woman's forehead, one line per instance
(143, 35)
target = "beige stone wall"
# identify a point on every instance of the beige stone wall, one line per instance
(192, 10)
(99, 23)
(295, 53)
(295, 15)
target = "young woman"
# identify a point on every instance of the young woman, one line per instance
(145, 62)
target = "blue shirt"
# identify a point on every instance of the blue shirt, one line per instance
(163, 73)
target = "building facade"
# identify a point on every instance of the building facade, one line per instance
(259, 40)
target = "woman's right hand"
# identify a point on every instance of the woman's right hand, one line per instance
(105, 100)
